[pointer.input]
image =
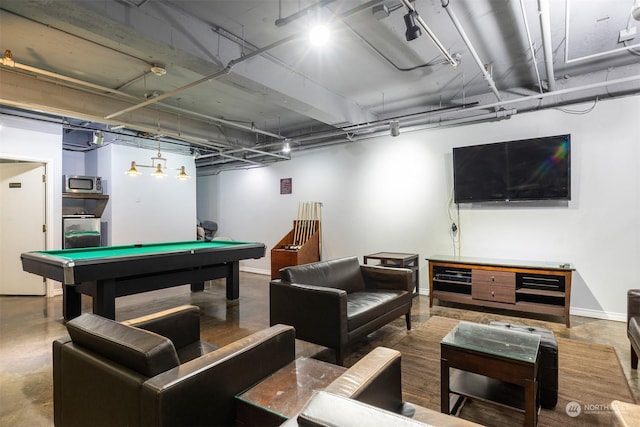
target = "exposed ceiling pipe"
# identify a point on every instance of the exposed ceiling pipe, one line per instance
(497, 115)
(533, 51)
(8, 61)
(468, 108)
(431, 34)
(224, 71)
(280, 22)
(545, 27)
(474, 54)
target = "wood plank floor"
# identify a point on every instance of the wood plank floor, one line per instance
(28, 325)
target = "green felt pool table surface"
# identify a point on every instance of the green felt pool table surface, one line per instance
(77, 254)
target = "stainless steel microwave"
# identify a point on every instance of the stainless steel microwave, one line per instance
(82, 184)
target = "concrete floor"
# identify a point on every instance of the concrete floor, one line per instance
(28, 325)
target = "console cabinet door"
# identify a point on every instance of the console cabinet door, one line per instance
(491, 285)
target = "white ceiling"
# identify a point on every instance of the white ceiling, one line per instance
(241, 76)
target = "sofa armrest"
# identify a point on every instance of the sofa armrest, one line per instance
(633, 304)
(180, 324)
(202, 391)
(376, 277)
(327, 409)
(319, 314)
(375, 379)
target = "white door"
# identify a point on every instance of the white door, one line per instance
(22, 220)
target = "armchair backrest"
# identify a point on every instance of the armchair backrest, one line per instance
(343, 273)
(139, 350)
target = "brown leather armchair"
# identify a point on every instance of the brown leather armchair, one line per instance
(158, 372)
(633, 324)
(370, 392)
(334, 303)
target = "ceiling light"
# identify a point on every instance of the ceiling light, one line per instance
(132, 170)
(413, 31)
(97, 138)
(183, 175)
(319, 35)
(380, 11)
(159, 173)
(394, 127)
(158, 163)
(158, 69)
(286, 148)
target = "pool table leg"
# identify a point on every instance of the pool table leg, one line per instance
(71, 302)
(104, 299)
(233, 281)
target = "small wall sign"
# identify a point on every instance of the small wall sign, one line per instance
(285, 185)
(15, 185)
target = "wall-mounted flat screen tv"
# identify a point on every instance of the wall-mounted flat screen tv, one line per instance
(524, 170)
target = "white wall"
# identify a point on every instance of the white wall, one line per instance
(392, 194)
(144, 209)
(30, 140)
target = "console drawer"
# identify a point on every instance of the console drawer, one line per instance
(492, 285)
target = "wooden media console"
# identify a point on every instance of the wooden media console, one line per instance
(525, 286)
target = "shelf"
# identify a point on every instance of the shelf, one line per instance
(487, 390)
(541, 292)
(539, 288)
(85, 196)
(453, 282)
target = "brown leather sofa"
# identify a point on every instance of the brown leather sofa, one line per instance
(370, 394)
(334, 303)
(155, 371)
(633, 324)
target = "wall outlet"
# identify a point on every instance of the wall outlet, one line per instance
(627, 34)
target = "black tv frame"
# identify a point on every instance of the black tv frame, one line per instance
(490, 171)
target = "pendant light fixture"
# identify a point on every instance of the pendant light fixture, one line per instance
(158, 163)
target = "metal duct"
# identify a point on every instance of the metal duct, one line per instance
(474, 54)
(545, 27)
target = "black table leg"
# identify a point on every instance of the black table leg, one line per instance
(233, 280)
(444, 387)
(104, 299)
(71, 302)
(197, 286)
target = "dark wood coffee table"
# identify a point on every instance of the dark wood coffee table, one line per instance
(491, 364)
(399, 260)
(283, 394)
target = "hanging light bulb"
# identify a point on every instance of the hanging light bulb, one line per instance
(319, 35)
(286, 148)
(183, 174)
(159, 173)
(132, 170)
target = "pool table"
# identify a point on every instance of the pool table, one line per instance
(108, 272)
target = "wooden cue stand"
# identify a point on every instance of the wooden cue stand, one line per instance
(285, 253)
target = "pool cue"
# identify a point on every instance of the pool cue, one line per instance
(305, 223)
(296, 231)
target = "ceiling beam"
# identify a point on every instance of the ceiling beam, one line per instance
(191, 44)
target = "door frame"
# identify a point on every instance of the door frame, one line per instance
(48, 206)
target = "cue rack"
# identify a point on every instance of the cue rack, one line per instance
(302, 244)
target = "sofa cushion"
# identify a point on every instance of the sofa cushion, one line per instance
(364, 307)
(142, 351)
(341, 273)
